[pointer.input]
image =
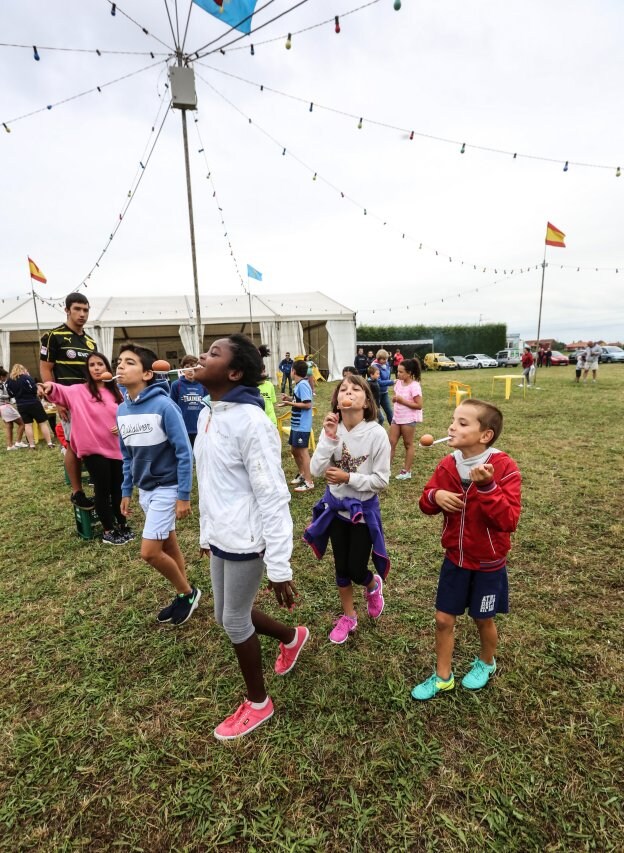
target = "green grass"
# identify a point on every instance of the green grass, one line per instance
(107, 719)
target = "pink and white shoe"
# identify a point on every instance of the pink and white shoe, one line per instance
(342, 628)
(375, 600)
(288, 655)
(245, 719)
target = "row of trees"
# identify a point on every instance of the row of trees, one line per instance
(452, 340)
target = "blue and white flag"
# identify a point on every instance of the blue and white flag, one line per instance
(234, 13)
(252, 273)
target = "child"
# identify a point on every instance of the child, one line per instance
(580, 366)
(385, 383)
(348, 370)
(10, 415)
(300, 426)
(373, 384)
(310, 374)
(528, 362)
(187, 394)
(408, 412)
(267, 392)
(354, 455)
(93, 408)
(477, 488)
(244, 520)
(157, 458)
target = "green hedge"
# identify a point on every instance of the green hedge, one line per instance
(452, 340)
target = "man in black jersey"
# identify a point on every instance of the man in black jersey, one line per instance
(63, 357)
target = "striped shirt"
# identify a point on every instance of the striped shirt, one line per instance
(68, 352)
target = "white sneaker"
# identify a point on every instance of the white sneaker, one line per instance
(21, 444)
(304, 487)
(404, 475)
(297, 481)
(13, 447)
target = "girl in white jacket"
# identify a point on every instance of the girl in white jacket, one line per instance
(245, 522)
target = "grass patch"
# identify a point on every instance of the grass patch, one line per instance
(107, 718)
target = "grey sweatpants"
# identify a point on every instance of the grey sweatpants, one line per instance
(234, 587)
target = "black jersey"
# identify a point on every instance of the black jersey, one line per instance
(68, 352)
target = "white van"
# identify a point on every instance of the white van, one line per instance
(508, 357)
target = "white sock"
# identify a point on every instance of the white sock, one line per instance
(292, 644)
(260, 705)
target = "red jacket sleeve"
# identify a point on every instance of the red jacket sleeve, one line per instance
(426, 502)
(500, 499)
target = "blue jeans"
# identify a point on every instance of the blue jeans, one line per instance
(386, 405)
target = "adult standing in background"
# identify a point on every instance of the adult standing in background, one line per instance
(189, 396)
(361, 362)
(527, 364)
(385, 382)
(548, 356)
(370, 357)
(592, 358)
(285, 368)
(23, 387)
(63, 359)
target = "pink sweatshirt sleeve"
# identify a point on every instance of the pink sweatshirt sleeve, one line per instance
(59, 395)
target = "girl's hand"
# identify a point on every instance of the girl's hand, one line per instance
(115, 430)
(285, 592)
(336, 476)
(330, 424)
(449, 501)
(125, 507)
(45, 387)
(397, 399)
(204, 552)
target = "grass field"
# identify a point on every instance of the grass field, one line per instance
(107, 719)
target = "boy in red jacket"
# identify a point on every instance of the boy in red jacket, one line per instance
(477, 488)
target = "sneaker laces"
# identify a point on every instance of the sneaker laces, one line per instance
(349, 619)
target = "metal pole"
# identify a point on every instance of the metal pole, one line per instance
(198, 334)
(32, 290)
(250, 312)
(539, 317)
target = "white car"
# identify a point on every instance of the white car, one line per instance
(480, 360)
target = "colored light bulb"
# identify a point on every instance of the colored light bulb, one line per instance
(288, 44)
(337, 24)
(618, 172)
(114, 9)
(360, 124)
(565, 168)
(253, 52)
(36, 56)
(463, 148)
(397, 5)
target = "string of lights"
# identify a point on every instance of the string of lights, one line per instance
(97, 51)
(408, 133)
(8, 122)
(226, 231)
(233, 27)
(115, 8)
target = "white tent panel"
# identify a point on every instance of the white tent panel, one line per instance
(340, 346)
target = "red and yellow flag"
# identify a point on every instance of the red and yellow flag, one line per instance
(35, 272)
(554, 237)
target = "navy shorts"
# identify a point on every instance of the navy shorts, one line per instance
(298, 439)
(484, 593)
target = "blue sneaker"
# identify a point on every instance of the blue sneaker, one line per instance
(478, 675)
(432, 686)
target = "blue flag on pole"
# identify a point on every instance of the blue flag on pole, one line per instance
(252, 273)
(234, 13)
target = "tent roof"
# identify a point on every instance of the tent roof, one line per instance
(19, 315)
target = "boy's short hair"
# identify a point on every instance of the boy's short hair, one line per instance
(348, 369)
(246, 357)
(74, 297)
(300, 368)
(372, 370)
(146, 356)
(370, 412)
(489, 417)
(383, 353)
(189, 361)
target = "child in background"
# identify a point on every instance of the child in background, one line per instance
(300, 426)
(156, 458)
(528, 362)
(267, 392)
(348, 370)
(407, 412)
(60, 434)
(188, 394)
(580, 366)
(93, 409)
(354, 455)
(244, 520)
(10, 415)
(310, 374)
(373, 384)
(477, 488)
(385, 383)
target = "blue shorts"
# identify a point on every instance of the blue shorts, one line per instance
(298, 439)
(484, 593)
(159, 506)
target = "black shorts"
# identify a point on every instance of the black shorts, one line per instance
(30, 412)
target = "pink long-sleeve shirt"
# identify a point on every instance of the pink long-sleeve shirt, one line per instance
(91, 420)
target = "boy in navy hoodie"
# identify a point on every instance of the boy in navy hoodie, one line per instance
(157, 458)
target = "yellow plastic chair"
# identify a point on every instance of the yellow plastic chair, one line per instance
(459, 391)
(283, 424)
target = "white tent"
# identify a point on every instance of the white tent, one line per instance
(295, 323)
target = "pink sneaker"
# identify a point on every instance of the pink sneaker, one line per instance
(342, 628)
(287, 657)
(375, 600)
(244, 720)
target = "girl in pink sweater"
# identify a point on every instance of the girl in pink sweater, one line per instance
(93, 407)
(407, 412)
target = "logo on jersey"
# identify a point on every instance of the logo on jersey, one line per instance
(91, 345)
(71, 353)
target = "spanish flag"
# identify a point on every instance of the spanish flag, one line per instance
(35, 272)
(554, 237)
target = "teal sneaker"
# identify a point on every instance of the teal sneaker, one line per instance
(432, 686)
(478, 675)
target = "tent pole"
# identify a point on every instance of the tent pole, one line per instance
(34, 298)
(250, 311)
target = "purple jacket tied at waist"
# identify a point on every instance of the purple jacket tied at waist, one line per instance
(324, 512)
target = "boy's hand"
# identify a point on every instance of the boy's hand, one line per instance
(183, 509)
(336, 476)
(285, 592)
(482, 474)
(204, 552)
(330, 424)
(125, 507)
(449, 501)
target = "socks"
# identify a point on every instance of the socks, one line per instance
(260, 705)
(293, 643)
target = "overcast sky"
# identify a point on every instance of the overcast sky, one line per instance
(540, 79)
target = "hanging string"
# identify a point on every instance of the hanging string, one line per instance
(407, 131)
(218, 203)
(98, 51)
(116, 8)
(99, 88)
(363, 208)
(234, 27)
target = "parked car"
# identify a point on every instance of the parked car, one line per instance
(573, 356)
(439, 361)
(461, 362)
(479, 359)
(508, 358)
(559, 359)
(612, 354)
